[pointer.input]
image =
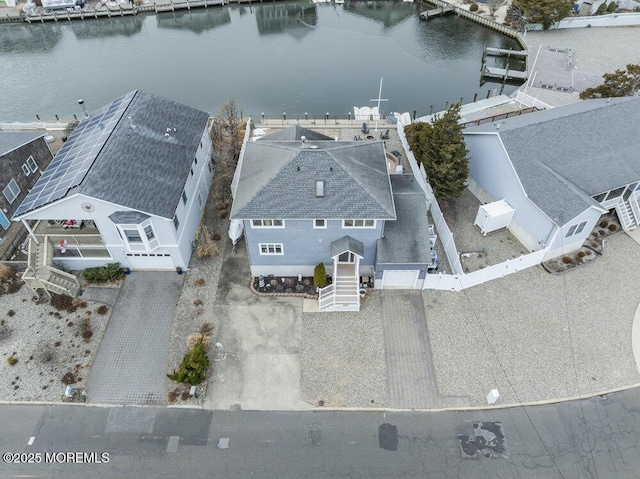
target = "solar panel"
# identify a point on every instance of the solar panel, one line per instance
(73, 161)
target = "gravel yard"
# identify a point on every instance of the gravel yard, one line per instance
(343, 358)
(537, 336)
(48, 344)
(195, 307)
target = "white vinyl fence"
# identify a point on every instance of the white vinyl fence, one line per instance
(35, 125)
(459, 280)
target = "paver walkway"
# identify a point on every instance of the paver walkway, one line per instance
(130, 364)
(102, 295)
(411, 382)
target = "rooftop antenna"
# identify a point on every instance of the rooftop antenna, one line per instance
(379, 100)
(81, 102)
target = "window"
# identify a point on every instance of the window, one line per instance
(270, 248)
(31, 163)
(133, 236)
(267, 223)
(176, 222)
(600, 197)
(319, 224)
(11, 191)
(191, 171)
(195, 158)
(148, 231)
(358, 223)
(4, 221)
(320, 188)
(26, 170)
(575, 229)
(615, 193)
(184, 197)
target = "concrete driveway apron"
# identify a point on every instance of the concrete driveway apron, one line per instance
(130, 366)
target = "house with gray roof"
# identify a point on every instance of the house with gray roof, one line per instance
(305, 199)
(23, 155)
(129, 186)
(560, 169)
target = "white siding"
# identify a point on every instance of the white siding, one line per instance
(495, 179)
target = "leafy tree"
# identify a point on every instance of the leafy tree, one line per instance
(445, 156)
(619, 83)
(418, 135)
(546, 12)
(320, 276)
(193, 368)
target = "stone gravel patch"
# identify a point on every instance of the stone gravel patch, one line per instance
(343, 357)
(537, 336)
(48, 344)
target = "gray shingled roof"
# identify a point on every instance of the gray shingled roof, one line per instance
(141, 168)
(406, 240)
(347, 243)
(294, 133)
(128, 217)
(565, 155)
(10, 140)
(278, 180)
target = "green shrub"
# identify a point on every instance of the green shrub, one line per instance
(319, 276)
(601, 9)
(12, 360)
(104, 274)
(194, 366)
(612, 7)
(474, 7)
(604, 224)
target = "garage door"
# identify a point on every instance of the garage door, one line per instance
(150, 262)
(400, 279)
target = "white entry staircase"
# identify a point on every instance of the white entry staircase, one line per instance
(343, 293)
(628, 212)
(41, 275)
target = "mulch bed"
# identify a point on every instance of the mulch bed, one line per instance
(285, 285)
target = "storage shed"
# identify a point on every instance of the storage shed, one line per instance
(494, 216)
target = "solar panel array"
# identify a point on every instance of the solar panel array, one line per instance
(73, 161)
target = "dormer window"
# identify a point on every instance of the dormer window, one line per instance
(320, 188)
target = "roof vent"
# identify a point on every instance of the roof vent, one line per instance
(303, 138)
(320, 188)
(298, 168)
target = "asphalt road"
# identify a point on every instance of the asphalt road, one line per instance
(591, 438)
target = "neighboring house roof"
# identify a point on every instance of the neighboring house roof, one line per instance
(141, 150)
(10, 140)
(277, 179)
(565, 155)
(294, 133)
(347, 243)
(406, 240)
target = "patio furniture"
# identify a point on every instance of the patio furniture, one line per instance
(365, 128)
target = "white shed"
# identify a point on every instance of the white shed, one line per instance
(494, 216)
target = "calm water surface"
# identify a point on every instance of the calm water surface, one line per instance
(283, 57)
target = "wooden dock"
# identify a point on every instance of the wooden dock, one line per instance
(501, 52)
(504, 74)
(435, 12)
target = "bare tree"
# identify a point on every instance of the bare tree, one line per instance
(227, 133)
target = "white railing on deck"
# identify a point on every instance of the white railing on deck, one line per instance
(524, 99)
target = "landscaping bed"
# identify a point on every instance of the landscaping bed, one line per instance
(285, 285)
(592, 248)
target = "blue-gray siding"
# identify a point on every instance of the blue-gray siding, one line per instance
(304, 245)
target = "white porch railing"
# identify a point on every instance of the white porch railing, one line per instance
(524, 99)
